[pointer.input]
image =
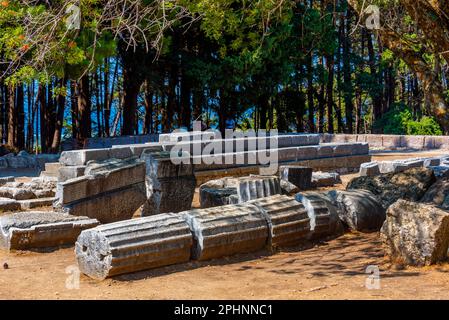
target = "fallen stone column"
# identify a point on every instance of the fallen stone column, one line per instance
(28, 230)
(415, 233)
(288, 220)
(360, 210)
(223, 231)
(133, 245)
(237, 190)
(323, 215)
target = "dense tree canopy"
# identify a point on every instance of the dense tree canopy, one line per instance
(148, 66)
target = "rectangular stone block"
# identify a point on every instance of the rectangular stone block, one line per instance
(413, 142)
(81, 157)
(325, 151)
(29, 230)
(36, 203)
(100, 182)
(374, 140)
(391, 141)
(300, 176)
(122, 152)
(116, 205)
(441, 142)
(70, 172)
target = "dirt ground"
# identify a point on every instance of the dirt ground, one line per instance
(331, 270)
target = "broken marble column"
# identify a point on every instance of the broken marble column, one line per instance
(133, 245)
(415, 233)
(223, 231)
(325, 179)
(360, 210)
(41, 229)
(323, 214)
(298, 175)
(113, 191)
(231, 190)
(219, 192)
(169, 186)
(288, 220)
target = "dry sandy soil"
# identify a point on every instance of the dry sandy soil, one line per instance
(330, 270)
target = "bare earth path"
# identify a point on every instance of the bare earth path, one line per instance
(332, 270)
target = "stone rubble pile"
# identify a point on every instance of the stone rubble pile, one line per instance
(395, 166)
(24, 160)
(39, 192)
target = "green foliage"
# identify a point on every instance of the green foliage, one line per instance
(399, 120)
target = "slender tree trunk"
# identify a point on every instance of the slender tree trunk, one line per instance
(11, 117)
(20, 136)
(59, 119)
(84, 110)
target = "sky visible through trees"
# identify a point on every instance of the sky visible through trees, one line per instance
(150, 66)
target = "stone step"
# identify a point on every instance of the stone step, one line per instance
(133, 245)
(52, 167)
(36, 203)
(7, 205)
(41, 229)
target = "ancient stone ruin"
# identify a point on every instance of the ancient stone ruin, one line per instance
(129, 207)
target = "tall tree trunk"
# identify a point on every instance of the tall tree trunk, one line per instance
(12, 117)
(310, 102)
(43, 117)
(347, 83)
(59, 119)
(84, 129)
(20, 136)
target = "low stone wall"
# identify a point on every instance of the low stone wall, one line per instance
(108, 142)
(390, 142)
(24, 160)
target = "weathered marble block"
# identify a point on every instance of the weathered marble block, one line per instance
(169, 187)
(415, 233)
(41, 229)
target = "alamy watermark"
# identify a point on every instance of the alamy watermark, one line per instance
(237, 147)
(372, 282)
